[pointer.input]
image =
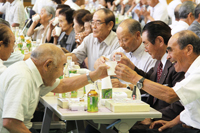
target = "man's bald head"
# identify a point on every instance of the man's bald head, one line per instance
(47, 51)
(131, 25)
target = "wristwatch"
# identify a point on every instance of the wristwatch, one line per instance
(140, 83)
(89, 79)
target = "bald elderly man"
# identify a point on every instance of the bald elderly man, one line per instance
(24, 82)
(130, 41)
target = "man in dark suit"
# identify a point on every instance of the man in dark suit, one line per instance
(155, 37)
(195, 26)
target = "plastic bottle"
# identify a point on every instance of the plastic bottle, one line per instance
(92, 102)
(24, 50)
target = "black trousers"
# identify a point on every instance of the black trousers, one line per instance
(33, 130)
(176, 129)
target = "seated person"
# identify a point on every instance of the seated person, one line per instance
(47, 13)
(67, 37)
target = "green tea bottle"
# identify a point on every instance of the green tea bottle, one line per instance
(92, 102)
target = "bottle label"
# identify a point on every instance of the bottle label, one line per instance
(72, 71)
(84, 90)
(106, 94)
(92, 104)
(73, 94)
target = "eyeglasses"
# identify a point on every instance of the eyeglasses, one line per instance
(97, 23)
(146, 45)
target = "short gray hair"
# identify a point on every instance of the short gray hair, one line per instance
(132, 25)
(186, 8)
(186, 37)
(47, 51)
(49, 10)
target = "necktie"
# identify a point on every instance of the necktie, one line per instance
(159, 71)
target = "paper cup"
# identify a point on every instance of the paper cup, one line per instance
(36, 17)
(106, 83)
(117, 2)
(55, 22)
(137, 1)
(112, 65)
(58, 31)
(125, 2)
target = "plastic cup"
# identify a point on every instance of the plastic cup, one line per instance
(36, 17)
(137, 1)
(117, 57)
(55, 22)
(58, 31)
(112, 65)
(125, 2)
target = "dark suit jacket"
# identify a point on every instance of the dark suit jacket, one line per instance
(195, 27)
(169, 77)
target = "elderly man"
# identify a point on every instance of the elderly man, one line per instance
(183, 50)
(195, 26)
(14, 11)
(129, 36)
(20, 90)
(156, 11)
(7, 40)
(101, 42)
(186, 15)
(155, 37)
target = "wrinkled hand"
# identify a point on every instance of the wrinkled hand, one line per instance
(124, 60)
(117, 84)
(146, 121)
(54, 34)
(138, 12)
(125, 73)
(51, 25)
(100, 61)
(101, 71)
(164, 124)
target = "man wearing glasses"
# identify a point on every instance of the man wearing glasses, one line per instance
(101, 42)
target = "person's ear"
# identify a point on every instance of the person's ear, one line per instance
(160, 40)
(48, 65)
(1, 44)
(110, 25)
(189, 49)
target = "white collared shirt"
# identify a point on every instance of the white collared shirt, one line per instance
(171, 7)
(2, 67)
(181, 25)
(14, 57)
(93, 49)
(159, 12)
(74, 6)
(139, 58)
(14, 12)
(164, 60)
(20, 89)
(188, 90)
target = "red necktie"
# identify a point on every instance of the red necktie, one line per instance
(159, 71)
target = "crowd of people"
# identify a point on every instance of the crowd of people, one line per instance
(159, 47)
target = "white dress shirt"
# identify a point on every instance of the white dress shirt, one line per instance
(181, 25)
(20, 89)
(14, 12)
(2, 67)
(14, 57)
(159, 12)
(189, 93)
(93, 49)
(74, 6)
(171, 7)
(139, 58)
